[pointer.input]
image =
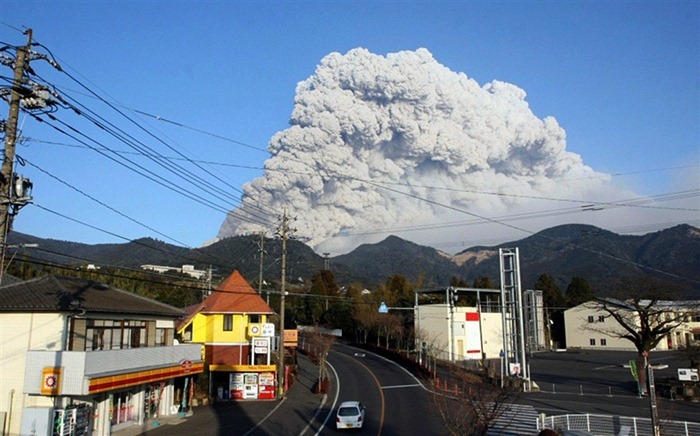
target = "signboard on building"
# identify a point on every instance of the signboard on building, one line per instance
(255, 330)
(291, 338)
(268, 330)
(688, 374)
(51, 381)
(473, 335)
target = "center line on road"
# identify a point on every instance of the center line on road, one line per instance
(403, 386)
(605, 367)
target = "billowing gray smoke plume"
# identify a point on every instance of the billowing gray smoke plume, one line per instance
(373, 137)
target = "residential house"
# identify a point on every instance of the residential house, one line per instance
(81, 357)
(232, 324)
(589, 327)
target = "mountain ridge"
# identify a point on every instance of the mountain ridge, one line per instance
(565, 251)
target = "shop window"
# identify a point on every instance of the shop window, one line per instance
(228, 323)
(121, 408)
(254, 319)
(592, 342)
(590, 318)
(601, 318)
(603, 342)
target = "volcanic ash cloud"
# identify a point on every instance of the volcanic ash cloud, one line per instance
(372, 137)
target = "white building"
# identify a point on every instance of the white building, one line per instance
(470, 335)
(88, 357)
(457, 332)
(186, 269)
(589, 327)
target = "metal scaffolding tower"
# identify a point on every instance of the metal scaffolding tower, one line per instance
(514, 356)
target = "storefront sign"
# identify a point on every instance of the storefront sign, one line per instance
(268, 330)
(186, 366)
(254, 330)
(261, 345)
(291, 338)
(51, 381)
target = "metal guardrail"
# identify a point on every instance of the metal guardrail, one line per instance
(609, 425)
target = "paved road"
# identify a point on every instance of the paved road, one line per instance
(397, 403)
(572, 382)
(294, 415)
(598, 383)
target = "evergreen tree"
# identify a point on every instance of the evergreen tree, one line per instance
(553, 297)
(579, 291)
(458, 282)
(399, 287)
(484, 283)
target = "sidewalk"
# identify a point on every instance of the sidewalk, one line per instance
(296, 410)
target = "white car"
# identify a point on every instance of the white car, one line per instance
(351, 414)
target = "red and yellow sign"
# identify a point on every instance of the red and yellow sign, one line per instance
(102, 384)
(51, 381)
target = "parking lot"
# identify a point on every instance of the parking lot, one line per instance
(597, 382)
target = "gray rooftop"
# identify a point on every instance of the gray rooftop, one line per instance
(66, 294)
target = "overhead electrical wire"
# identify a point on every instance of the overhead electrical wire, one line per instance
(94, 95)
(184, 174)
(588, 204)
(134, 144)
(130, 141)
(224, 263)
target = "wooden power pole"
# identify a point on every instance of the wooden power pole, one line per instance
(6, 173)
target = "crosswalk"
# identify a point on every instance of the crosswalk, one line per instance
(518, 420)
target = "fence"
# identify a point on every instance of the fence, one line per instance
(607, 425)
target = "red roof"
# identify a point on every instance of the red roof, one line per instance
(235, 295)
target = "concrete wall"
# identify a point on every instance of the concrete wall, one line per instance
(470, 337)
(18, 333)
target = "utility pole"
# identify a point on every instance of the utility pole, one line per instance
(6, 173)
(283, 233)
(260, 277)
(651, 390)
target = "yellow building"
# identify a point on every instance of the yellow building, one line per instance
(232, 324)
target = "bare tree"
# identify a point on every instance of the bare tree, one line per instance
(644, 319)
(367, 318)
(471, 403)
(319, 344)
(391, 326)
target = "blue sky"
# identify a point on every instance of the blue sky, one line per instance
(622, 78)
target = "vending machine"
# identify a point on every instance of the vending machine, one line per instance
(236, 386)
(250, 386)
